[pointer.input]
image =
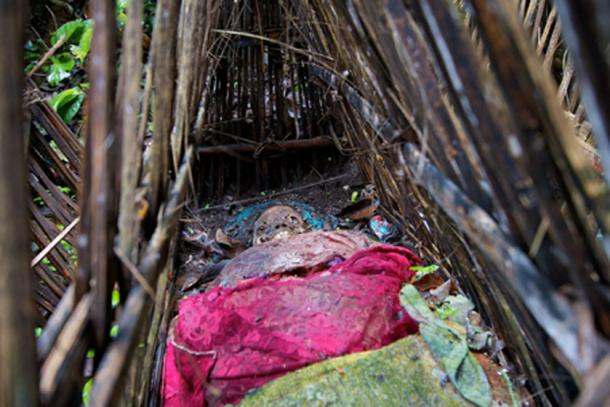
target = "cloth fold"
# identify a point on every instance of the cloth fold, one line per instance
(229, 341)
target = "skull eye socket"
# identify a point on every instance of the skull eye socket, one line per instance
(293, 219)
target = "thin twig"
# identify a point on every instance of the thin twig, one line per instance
(275, 195)
(133, 269)
(276, 42)
(47, 55)
(44, 252)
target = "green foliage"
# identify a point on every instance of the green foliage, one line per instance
(71, 251)
(68, 103)
(450, 347)
(38, 332)
(77, 35)
(33, 50)
(150, 7)
(87, 392)
(445, 311)
(72, 31)
(421, 271)
(354, 196)
(66, 190)
(114, 331)
(82, 48)
(148, 17)
(60, 68)
(116, 298)
(70, 57)
(121, 12)
(47, 263)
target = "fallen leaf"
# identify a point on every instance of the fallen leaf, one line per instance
(441, 292)
(502, 389)
(450, 348)
(143, 206)
(428, 282)
(363, 209)
(231, 247)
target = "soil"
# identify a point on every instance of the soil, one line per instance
(199, 251)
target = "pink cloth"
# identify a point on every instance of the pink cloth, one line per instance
(227, 342)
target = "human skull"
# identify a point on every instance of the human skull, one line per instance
(278, 223)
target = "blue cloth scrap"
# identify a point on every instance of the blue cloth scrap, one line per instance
(240, 226)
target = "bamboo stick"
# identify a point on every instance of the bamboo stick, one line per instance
(18, 381)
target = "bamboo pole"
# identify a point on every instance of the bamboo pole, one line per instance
(99, 197)
(164, 68)
(131, 143)
(18, 382)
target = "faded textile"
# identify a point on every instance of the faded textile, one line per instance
(231, 340)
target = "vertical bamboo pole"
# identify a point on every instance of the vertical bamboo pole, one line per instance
(131, 144)
(99, 197)
(18, 381)
(164, 68)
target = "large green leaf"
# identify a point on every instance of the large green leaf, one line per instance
(73, 30)
(60, 68)
(68, 103)
(81, 50)
(450, 347)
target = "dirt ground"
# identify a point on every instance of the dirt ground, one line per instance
(326, 193)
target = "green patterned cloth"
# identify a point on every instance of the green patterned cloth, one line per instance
(401, 374)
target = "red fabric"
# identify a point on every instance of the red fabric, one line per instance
(229, 341)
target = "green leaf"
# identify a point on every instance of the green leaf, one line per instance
(116, 297)
(114, 331)
(421, 271)
(57, 151)
(72, 30)
(60, 68)
(445, 311)
(81, 50)
(354, 196)
(461, 307)
(68, 103)
(121, 19)
(87, 392)
(121, 12)
(90, 353)
(38, 332)
(121, 5)
(450, 348)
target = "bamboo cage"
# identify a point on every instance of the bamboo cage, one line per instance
(483, 124)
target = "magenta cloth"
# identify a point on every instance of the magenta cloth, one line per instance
(229, 341)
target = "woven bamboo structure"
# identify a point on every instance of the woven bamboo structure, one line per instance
(484, 125)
